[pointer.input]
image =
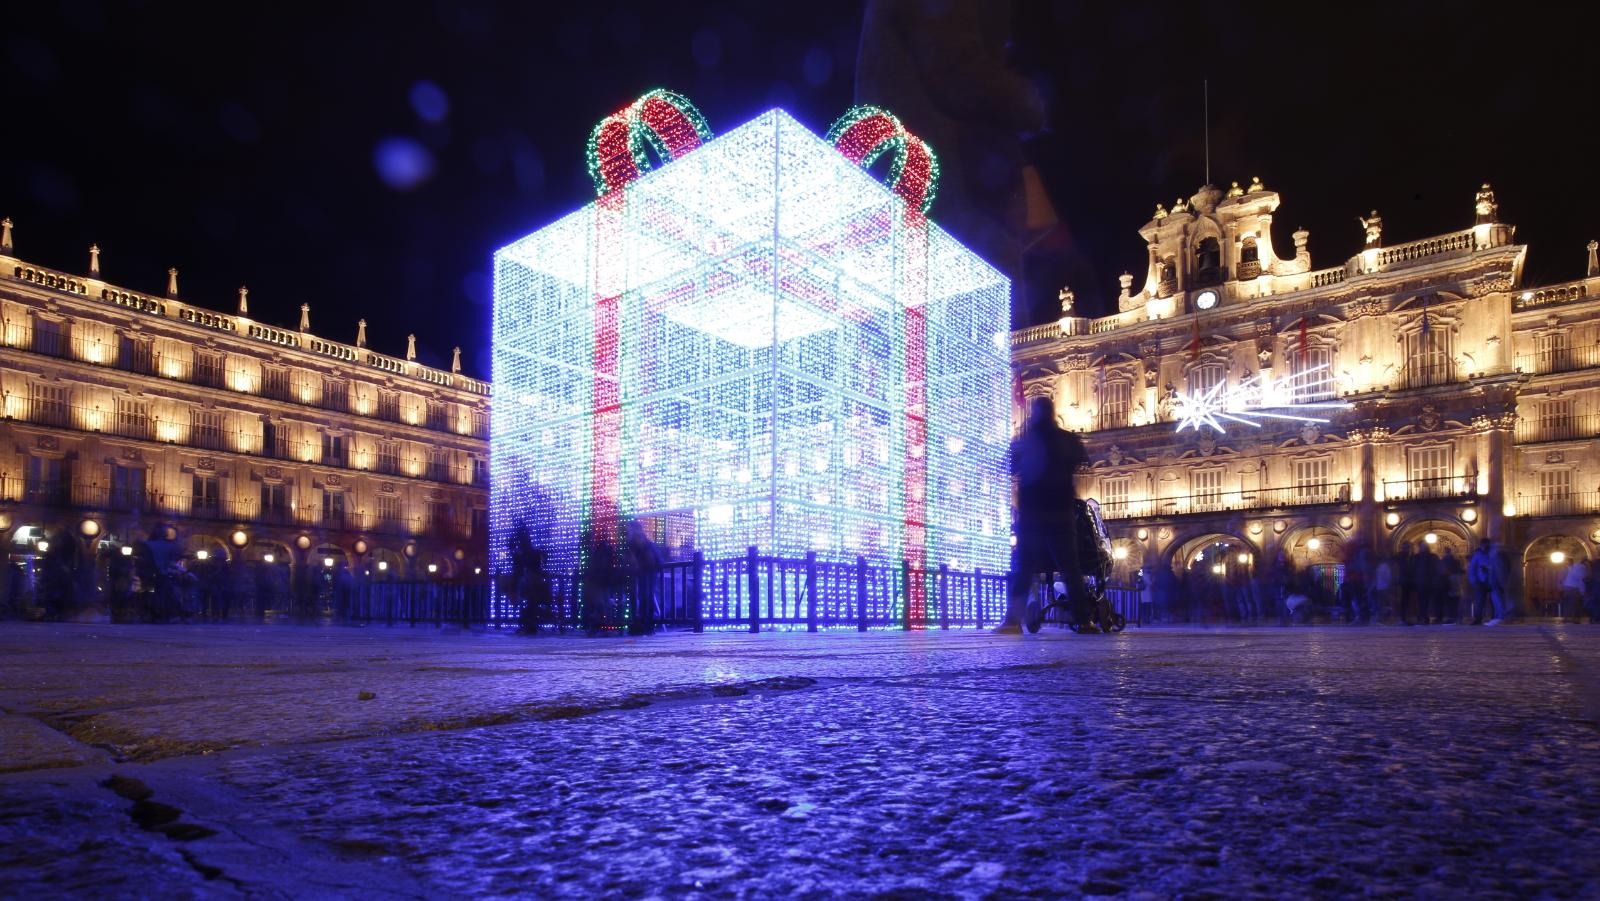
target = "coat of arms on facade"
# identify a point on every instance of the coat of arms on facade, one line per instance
(1429, 419)
(1207, 443)
(1310, 433)
(48, 442)
(132, 453)
(1555, 457)
(1114, 456)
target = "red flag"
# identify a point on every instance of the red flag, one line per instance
(1194, 343)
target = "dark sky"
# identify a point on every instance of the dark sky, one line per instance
(369, 159)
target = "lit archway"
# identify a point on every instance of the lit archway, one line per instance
(1544, 565)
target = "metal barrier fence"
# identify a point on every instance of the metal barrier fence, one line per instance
(750, 593)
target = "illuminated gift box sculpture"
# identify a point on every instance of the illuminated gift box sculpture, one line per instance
(756, 344)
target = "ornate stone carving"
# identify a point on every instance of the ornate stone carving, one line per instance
(1310, 433)
(1363, 308)
(1114, 456)
(1555, 457)
(386, 487)
(206, 463)
(1429, 419)
(1075, 362)
(273, 472)
(132, 453)
(48, 442)
(333, 480)
(1490, 284)
(1206, 443)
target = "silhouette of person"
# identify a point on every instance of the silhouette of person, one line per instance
(1044, 460)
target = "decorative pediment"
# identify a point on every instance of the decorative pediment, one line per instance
(47, 442)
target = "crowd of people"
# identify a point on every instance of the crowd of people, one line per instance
(155, 580)
(616, 582)
(1415, 586)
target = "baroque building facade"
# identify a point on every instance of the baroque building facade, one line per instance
(1439, 400)
(274, 447)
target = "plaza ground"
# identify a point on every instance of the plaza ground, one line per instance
(378, 762)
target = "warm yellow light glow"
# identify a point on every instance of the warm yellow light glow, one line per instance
(89, 528)
(1355, 493)
(1255, 528)
(1392, 519)
(477, 570)
(1509, 509)
(127, 550)
(1469, 515)
(1219, 569)
(1345, 522)
(327, 562)
(1244, 558)
(1144, 534)
(1558, 557)
(433, 567)
(1431, 538)
(383, 565)
(43, 546)
(1119, 553)
(268, 557)
(202, 555)
(239, 538)
(303, 542)
(1314, 544)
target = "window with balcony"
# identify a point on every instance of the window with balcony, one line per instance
(49, 337)
(205, 429)
(1205, 377)
(478, 521)
(389, 406)
(1555, 420)
(275, 383)
(209, 369)
(1116, 400)
(1311, 373)
(1428, 472)
(275, 498)
(1205, 488)
(334, 450)
(1555, 486)
(389, 457)
(439, 465)
(1551, 352)
(45, 481)
(135, 355)
(1311, 481)
(336, 395)
(389, 511)
(127, 488)
(480, 471)
(48, 404)
(133, 419)
(439, 518)
(1114, 495)
(205, 499)
(333, 508)
(1428, 358)
(438, 416)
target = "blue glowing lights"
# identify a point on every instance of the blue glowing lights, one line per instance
(754, 344)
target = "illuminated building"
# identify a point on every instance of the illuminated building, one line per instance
(756, 344)
(124, 410)
(1471, 410)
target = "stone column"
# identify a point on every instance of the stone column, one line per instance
(1501, 431)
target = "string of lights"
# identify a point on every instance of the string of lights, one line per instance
(1253, 400)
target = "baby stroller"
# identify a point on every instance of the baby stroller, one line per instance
(1094, 556)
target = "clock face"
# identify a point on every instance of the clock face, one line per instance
(1206, 300)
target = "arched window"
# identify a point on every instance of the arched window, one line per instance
(1249, 258)
(1205, 377)
(1207, 262)
(1311, 373)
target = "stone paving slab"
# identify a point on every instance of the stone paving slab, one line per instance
(1163, 763)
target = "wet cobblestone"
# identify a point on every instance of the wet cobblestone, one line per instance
(1266, 763)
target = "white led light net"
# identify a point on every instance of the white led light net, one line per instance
(728, 349)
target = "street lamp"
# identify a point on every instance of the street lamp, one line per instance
(1558, 557)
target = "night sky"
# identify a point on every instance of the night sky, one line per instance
(369, 159)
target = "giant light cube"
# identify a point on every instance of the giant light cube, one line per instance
(757, 344)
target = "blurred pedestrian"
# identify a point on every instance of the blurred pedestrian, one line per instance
(1452, 569)
(62, 561)
(1572, 583)
(1429, 580)
(1405, 564)
(1241, 593)
(1381, 599)
(1045, 460)
(644, 560)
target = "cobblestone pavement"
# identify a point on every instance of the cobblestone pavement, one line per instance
(1438, 762)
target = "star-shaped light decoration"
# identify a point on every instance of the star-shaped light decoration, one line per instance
(1251, 401)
